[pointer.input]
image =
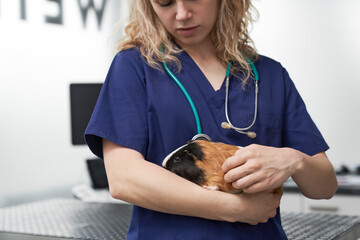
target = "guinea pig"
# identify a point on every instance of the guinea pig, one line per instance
(200, 162)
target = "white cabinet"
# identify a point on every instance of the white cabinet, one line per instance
(339, 204)
(292, 202)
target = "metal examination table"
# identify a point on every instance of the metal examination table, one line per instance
(56, 219)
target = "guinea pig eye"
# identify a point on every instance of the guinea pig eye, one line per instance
(177, 159)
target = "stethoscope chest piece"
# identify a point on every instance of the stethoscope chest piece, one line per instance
(201, 136)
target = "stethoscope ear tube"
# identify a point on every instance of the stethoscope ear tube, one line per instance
(192, 105)
(228, 124)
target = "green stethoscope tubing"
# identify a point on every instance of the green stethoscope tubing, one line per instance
(192, 105)
(189, 99)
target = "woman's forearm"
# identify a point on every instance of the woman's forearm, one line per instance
(145, 184)
(316, 178)
(148, 185)
(160, 190)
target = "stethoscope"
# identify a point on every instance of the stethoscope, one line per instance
(227, 124)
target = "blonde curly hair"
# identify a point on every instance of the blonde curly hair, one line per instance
(230, 35)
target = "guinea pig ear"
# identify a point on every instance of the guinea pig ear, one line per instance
(187, 152)
(195, 152)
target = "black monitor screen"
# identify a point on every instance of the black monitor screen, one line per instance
(83, 97)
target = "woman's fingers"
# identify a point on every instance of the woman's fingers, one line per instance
(239, 172)
(240, 157)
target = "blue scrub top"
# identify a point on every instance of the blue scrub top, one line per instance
(142, 108)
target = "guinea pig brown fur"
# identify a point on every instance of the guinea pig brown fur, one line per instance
(201, 161)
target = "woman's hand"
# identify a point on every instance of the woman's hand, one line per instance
(255, 208)
(257, 168)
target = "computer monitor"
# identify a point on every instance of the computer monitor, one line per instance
(83, 97)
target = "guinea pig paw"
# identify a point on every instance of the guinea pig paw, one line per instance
(214, 188)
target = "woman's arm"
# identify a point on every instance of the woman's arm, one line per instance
(145, 184)
(257, 168)
(316, 178)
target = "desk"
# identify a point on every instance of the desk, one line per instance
(74, 219)
(66, 218)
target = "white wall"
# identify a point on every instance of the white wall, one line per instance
(38, 61)
(318, 42)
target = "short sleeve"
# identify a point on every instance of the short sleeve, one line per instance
(120, 112)
(300, 132)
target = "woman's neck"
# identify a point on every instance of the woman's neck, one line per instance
(201, 53)
(204, 55)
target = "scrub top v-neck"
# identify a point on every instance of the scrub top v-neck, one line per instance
(214, 97)
(141, 108)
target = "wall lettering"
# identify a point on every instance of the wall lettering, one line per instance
(59, 17)
(56, 19)
(22, 10)
(99, 12)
